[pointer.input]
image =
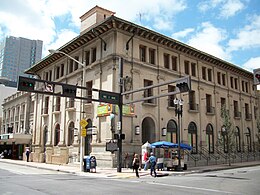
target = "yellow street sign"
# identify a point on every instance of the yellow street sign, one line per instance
(83, 132)
(83, 123)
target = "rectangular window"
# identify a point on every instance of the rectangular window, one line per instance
(76, 64)
(70, 66)
(94, 55)
(50, 75)
(209, 74)
(87, 57)
(89, 91)
(223, 102)
(224, 79)
(166, 59)
(46, 106)
(236, 110)
(208, 103)
(204, 73)
(174, 63)
(247, 114)
(187, 67)
(148, 92)
(193, 69)
(232, 82)
(152, 56)
(57, 72)
(142, 53)
(219, 78)
(243, 86)
(46, 76)
(61, 70)
(246, 86)
(192, 102)
(236, 81)
(171, 97)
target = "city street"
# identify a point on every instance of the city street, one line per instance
(17, 179)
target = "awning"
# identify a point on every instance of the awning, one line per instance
(165, 144)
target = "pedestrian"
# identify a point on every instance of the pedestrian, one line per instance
(146, 160)
(152, 160)
(132, 161)
(136, 164)
(27, 154)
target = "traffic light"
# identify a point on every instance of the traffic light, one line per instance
(257, 76)
(184, 84)
(26, 84)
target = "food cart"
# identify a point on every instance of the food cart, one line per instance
(169, 160)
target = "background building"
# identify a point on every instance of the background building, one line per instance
(18, 54)
(149, 58)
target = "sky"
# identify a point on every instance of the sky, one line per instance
(227, 29)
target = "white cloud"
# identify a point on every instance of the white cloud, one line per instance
(252, 63)
(208, 39)
(230, 8)
(247, 37)
(182, 34)
(227, 8)
(65, 35)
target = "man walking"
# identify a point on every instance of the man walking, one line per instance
(152, 160)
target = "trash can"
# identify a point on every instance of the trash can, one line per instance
(86, 162)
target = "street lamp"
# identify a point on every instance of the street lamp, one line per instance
(178, 103)
(52, 51)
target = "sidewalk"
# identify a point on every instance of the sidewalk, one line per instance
(126, 173)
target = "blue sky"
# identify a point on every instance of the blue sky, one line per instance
(227, 29)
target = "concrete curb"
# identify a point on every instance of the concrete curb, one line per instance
(106, 173)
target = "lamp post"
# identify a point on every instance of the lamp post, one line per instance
(178, 103)
(52, 51)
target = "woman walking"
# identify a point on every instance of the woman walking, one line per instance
(136, 164)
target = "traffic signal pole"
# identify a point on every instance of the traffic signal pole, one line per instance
(120, 106)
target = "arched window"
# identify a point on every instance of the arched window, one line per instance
(57, 135)
(210, 138)
(224, 139)
(248, 140)
(71, 133)
(192, 131)
(237, 139)
(172, 132)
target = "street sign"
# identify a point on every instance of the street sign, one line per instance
(83, 132)
(109, 97)
(111, 145)
(83, 123)
(118, 125)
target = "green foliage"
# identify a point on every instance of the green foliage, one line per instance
(227, 138)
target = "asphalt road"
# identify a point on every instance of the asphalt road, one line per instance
(15, 179)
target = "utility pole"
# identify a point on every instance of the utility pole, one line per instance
(120, 106)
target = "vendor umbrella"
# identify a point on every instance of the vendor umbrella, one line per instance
(163, 144)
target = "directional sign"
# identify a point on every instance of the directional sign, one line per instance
(83, 132)
(109, 97)
(111, 145)
(83, 123)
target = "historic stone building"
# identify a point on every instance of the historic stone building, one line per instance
(149, 58)
(16, 127)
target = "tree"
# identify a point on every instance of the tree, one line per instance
(258, 134)
(227, 138)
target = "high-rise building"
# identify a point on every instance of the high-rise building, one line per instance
(18, 54)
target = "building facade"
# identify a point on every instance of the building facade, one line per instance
(149, 58)
(16, 127)
(18, 54)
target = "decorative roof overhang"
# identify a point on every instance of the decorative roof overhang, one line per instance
(119, 24)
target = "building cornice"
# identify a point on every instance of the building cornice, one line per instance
(114, 22)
